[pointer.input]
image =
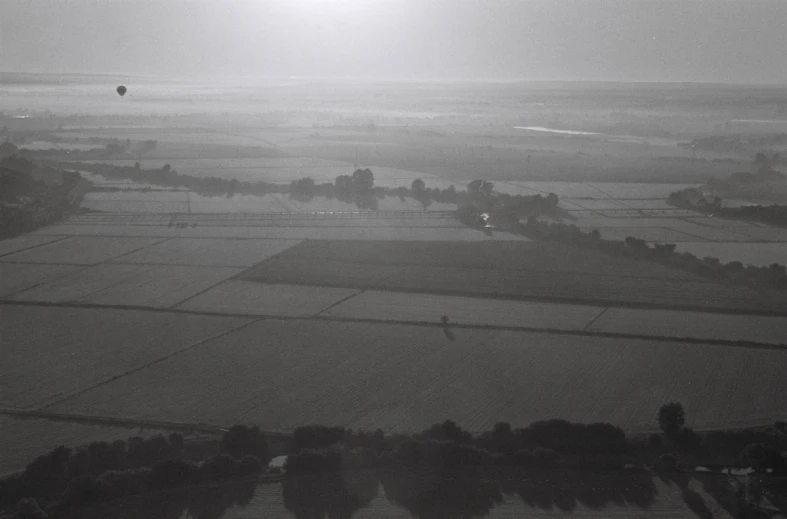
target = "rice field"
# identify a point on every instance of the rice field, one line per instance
(209, 252)
(701, 325)
(378, 230)
(504, 270)
(26, 241)
(249, 298)
(759, 254)
(80, 250)
(496, 256)
(155, 286)
(282, 374)
(15, 277)
(50, 353)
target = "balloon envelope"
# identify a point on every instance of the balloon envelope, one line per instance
(121, 90)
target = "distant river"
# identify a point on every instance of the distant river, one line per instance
(552, 130)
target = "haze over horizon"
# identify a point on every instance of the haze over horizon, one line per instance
(723, 41)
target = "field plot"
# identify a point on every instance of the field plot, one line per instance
(235, 204)
(23, 440)
(438, 230)
(246, 297)
(49, 353)
(394, 306)
(605, 190)
(281, 374)
(15, 277)
(158, 286)
(209, 252)
(498, 256)
(666, 323)
(80, 250)
(135, 206)
(650, 234)
(559, 286)
(26, 241)
(759, 254)
(505, 270)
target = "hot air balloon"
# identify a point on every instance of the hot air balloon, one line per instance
(121, 90)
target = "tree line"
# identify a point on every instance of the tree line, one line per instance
(448, 472)
(358, 188)
(693, 200)
(442, 471)
(65, 480)
(772, 277)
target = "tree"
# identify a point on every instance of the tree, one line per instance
(762, 457)
(343, 183)
(671, 418)
(363, 180)
(417, 186)
(241, 440)
(474, 187)
(7, 149)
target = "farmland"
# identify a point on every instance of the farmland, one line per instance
(281, 374)
(509, 270)
(91, 346)
(164, 304)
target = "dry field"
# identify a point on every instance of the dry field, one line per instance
(281, 374)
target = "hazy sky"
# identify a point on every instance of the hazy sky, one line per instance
(643, 40)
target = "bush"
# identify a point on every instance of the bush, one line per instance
(762, 457)
(686, 439)
(28, 509)
(671, 418)
(668, 461)
(317, 436)
(116, 483)
(250, 466)
(241, 440)
(220, 466)
(173, 473)
(447, 431)
(82, 490)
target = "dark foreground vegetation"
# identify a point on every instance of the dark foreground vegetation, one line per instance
(32, 195)
(443, 471)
